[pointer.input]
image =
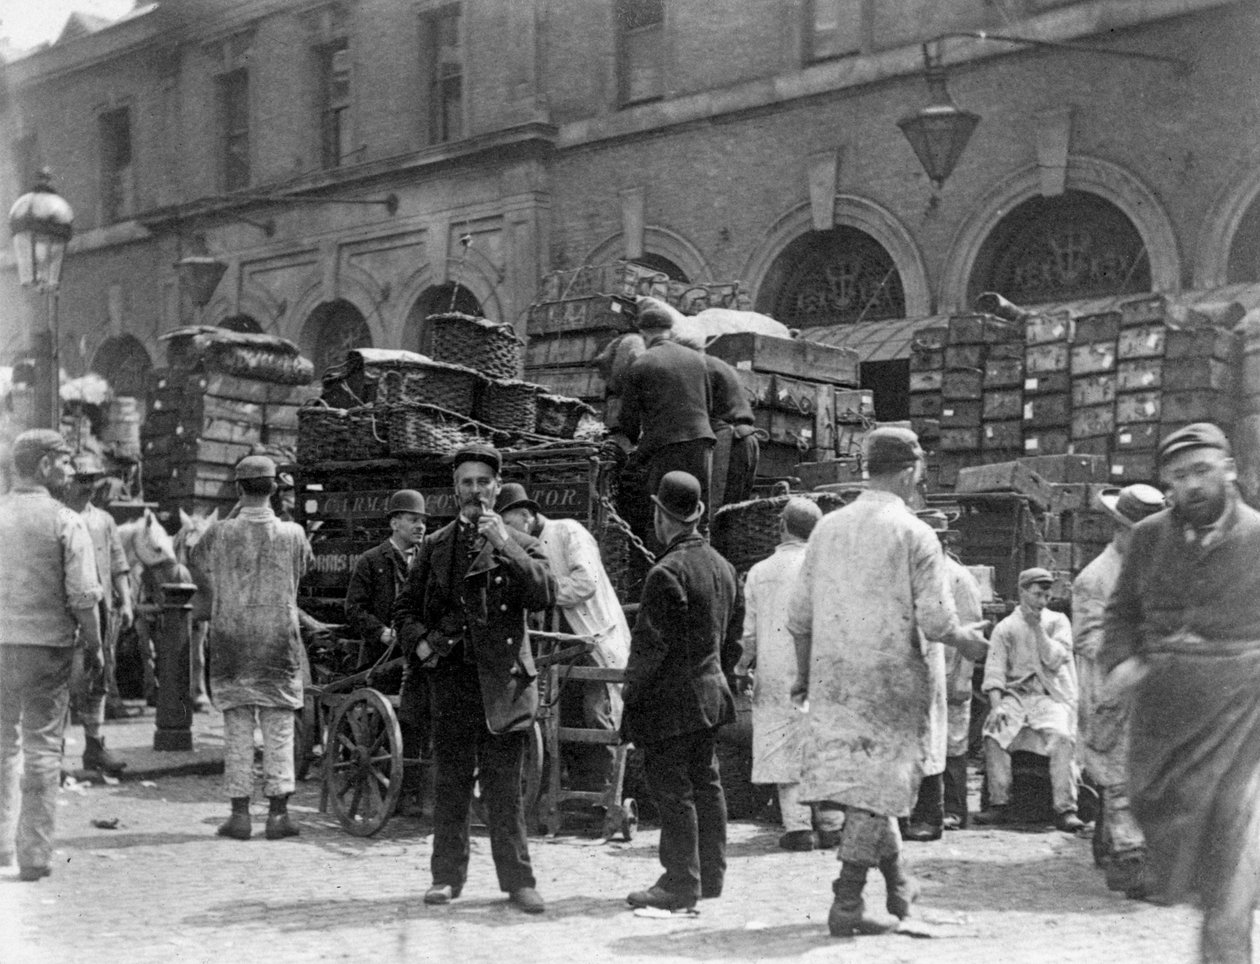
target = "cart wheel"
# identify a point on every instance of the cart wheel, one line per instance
(630, 819)
(532, 768)
(306, 737)
(364, 762)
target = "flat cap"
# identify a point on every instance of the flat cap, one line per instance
(1200, 435)
(39, 441)
(890, 448)
(477, 452)
(255, 467)
(653, 316)
(1034, 575)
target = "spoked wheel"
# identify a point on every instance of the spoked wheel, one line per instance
(364, 762)
(306, 736)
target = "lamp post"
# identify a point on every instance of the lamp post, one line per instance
(41, 223)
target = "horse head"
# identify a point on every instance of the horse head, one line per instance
(191, 529)
(146, 543)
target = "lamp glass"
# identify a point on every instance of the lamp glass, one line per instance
(938, 134)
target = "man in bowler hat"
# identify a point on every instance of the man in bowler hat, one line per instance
(464, 610)
(684, 646)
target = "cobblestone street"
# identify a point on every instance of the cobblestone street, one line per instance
(162, 887)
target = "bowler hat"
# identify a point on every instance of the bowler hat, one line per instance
(1199, 435)
(1034, 575)
(1131, 504)
(405, 500)
(478, 452)
(514, 496)
(255, 467)
(38, 442)
(891, 448)
(678, 496)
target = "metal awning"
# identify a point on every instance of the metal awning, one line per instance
(887, 340)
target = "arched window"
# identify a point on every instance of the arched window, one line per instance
(834, 277)
(417, 335)
(123, 362)
(1075, 245)
(1244, 250)
(331, 330)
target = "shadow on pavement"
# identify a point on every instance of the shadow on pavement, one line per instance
(112, 840)
(786, 941)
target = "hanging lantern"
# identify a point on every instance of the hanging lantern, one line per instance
(940, 131)
(199, 275)
(41, 223)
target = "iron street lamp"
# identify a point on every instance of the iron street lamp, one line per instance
(939, 132)
(41, 223)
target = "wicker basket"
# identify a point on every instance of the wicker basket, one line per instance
(367, 433)
(510, 405)
(434, 383)
(558, 416)
(490, 348)
(747, 532)
(428, 430)
(259, 364)
(323, 432)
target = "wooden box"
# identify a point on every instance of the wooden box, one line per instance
(571, 349)
(928, 429)
(1091, 329)
(1134, 407)
(1052, 327)
(965, 356)
(934, 338)
(927, 381)
(961, 414)
(1142, 341)
(1130, 467)
(853, 404)
(1047, 411)
(1052, 555)
(1048, 383)
(1045, 441)
(960, 439)
(795, 394)
(1011, 476)
(1093, 390)
(574, 382)
(576, 315)
(926, 405)
(1088, 525)
(1139, 374)
(1075, 496)
(1199, 343)
(963, 383)
(1184, 407)
(982, 330)
(1099, 445)
(1005, 436)
(830, 472)
(1049, 357)
(1069, 468)
(789, 428)
(1098, 356)
(926, 361)
(1093, 422)
(1142, 311)
(1004, 372)
(1196, 374)
(1137, 437)
(1006, 350)
(787, 356)
(999, 405)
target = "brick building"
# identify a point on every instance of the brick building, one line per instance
(713, 139)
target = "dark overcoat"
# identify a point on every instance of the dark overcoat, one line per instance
(500, 587)
(370, 595)
(685, 643)
(665, 398)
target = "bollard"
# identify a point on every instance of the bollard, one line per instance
(174, 709)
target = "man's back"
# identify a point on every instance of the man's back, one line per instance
(666, 397)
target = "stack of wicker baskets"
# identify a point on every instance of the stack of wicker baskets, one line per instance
(747, 532)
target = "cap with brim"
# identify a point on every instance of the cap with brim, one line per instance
(485, 454)
(406, 500)
(1198, 435)
(678, 496)
(38, 442)
(891, 448)
(513, 496)
(1131, 504)
(255, 467)
(1035, 575)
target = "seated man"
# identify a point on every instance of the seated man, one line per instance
(1030, 680)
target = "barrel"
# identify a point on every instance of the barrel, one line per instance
(122, 429)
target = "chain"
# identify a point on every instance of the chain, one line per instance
(619, 523)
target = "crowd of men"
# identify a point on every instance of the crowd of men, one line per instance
(862, 632)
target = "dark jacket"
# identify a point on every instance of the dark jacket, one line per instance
(665, 398)
(370, 595)
(1166, 585)
(728, 399)
(500, 588)
(684, 644)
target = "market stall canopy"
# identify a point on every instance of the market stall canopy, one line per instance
(887, 340)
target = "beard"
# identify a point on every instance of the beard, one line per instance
(1203, 513)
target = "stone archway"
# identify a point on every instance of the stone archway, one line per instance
(434, 300)
(662, 249)
(332, 329)
(1228, 247)
(124, 362)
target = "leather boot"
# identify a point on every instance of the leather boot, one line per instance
(848, 910)
(278, 824)
(903, 890)
(238, 825)
(96, 757)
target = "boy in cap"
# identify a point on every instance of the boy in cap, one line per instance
(1182, 634)
(251, 565)
(48, 608)
(1030, 681)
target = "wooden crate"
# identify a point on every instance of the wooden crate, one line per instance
(1007, 436)
(1061, 469)
(1143, 311)
(1197, 374)
(928, 429)
(1130, 467)
(926, 404)
(1052, 356)
(1094, 389)
(853, 404)
(1087, 525)
(1077, 496)
(1004, 372)
(1201, 406)
(999, 405)
(960, 439)
(1098, 445)
(1047, 411)
(790, 428)
(575, 315)
(573, 382)
(566, 349)
(831, 472)
(965, 356)
(1089, 359)
(961, 414)
(933, 338)
(926, 361)
(927, 381)
(1048, 328)
(1007, 476)
(979, 330)
(1139, 374)
(1097, 328)
(1048, 383)
(1200, 343)
(963, 384)
(1133, 407)
(1137, 437)
(1045, 441)
(1093, 422)
(1142, 341)
(787, 356)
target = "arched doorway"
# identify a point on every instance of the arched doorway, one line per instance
(245, 324)
(1244, 249)
(125, 364)
(835, 277)
(656, 262)
(331, 330)
(436, 300)
(1076, 245)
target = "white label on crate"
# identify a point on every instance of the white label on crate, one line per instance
(1126, 438)
(988, 431)
(1030, 384)
(1149, 408)
(744, 366)
(1031, 445)
(1028, 410)
(1153, 339)
(947, 412)
(310, 506)
(1117, 470)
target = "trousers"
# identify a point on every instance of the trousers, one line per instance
(238, 748)
(89, 678)
(1062, 753)
(802, 816)
(465, 752)
(34, 696)
(868, 838)
(686, 785)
